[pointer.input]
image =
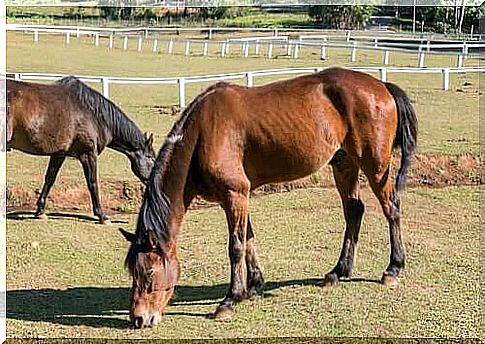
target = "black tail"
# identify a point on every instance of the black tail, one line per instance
(406, 133)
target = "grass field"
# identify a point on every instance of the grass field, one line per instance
(66, 277)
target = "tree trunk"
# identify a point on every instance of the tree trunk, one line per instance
(462, 16)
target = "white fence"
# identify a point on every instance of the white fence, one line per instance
(248, 76)
(348, 34)
(293, 48)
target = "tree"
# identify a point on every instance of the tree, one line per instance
(342, 16)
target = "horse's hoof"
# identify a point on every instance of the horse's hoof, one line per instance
(106, 222)
(41, 216)
(389, 280)
(251, 295)
(223, 313)
(330, 280)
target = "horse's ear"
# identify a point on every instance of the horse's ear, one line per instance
(128, 236)
(149, 140)
(152, 239)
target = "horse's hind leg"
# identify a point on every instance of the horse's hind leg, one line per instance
(255, 279)
(346, 174)
(90, 168)
(383, 188)
(55, 164)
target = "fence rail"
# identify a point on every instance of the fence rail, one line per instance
(248, 76)
(348, 34)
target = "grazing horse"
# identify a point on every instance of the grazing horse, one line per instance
(68, 118)
(232, 139)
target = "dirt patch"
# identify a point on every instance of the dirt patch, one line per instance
(116, 196)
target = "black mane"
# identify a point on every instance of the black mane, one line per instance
(126, 133)
(155, 208)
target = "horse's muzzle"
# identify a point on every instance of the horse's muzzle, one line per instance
(146, 320)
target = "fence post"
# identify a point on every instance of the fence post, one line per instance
(105, 87)
(386, 57)
(353, 52)
(125, 42)
(420, 57)
(288, 52)
(323, 51)
(68, 37)
(256, 50)
(347, 36)
(246, 49)
(140, 44)
(146, 33)
(276, 32)
(16, 76)
(111, 41)
(96, 39)
(383, 74)
(181, 92)
(206, 48)
(464, 50)
(270, 50)
(210, 33)
(170, 45)
(228, 46)
(155, 45)
(223, 49)
(459, 60)
(77, 33)
(296, 50)
(376, 43)
(36, 36)
(249, 79)
(445, 85)
(187, 47)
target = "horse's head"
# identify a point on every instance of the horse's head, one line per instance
(155, 275)
(143, 159)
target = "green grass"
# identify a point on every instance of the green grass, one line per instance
(448, 120)
(65, 277)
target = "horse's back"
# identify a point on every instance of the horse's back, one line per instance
(277, 132)
(42, 119)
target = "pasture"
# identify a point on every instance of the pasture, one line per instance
(65, 277)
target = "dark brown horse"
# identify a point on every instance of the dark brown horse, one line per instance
(232, 139)
(68, 118)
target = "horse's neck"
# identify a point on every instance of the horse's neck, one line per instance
(117, 140)
(176, 178)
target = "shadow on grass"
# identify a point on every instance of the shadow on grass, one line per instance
(101, 307)
(30, 215)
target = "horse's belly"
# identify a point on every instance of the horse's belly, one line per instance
(23, 141)
(282, 163)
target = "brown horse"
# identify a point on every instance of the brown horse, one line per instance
(68, 118)
(232, 139)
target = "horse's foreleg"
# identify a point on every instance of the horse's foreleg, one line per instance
(90, 168)
(236, 208)
(55, 164)
(346, 174)
(255, 279)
